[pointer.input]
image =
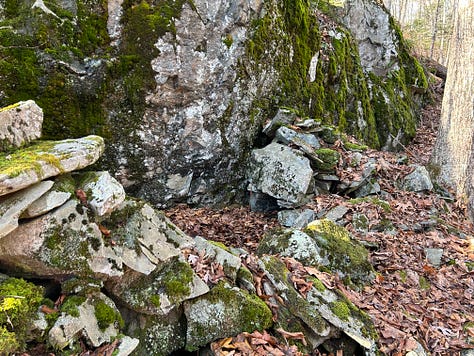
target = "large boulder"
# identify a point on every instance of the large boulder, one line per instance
(181, 89)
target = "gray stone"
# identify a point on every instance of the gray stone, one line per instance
(361, 223)
(282, 117)
(13, 205)
(104, 193)
(467, 352)
(161, 292)
(295, 244)
(287, 136)
(417, 181)
(225, 311)
(127, 345)
(336, 213)
(19, 124)
(227, 260)
(369, 23)
(51, 159)
(67, 329)
(322, 243)
(282, 173)
(434, 255)
(319, 314)
(47, 202)
(369, 188)
(144, 236)
(61, 242)
(296, 218)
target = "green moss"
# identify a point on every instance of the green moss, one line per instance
(403, 275)
(155, 300)
(8, 341)
(106, 315)
(228, 40)
(320, 287)
(19, 302)
(329, 159)
(70, 305)
(344, 255)
(29, 159)
(341, 310)
(355, 147)
(424, 283)
(177, 281)
(255, 313)
(373, 200)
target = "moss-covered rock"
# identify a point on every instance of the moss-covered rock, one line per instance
(196, 112)
(19, 303)
(322, 244)
(225, 311)
(344, 255)
(319, 313)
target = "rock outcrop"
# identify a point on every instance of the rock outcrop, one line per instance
(130, 279)
(182, 89)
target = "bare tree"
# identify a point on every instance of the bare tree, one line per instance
(453, 155)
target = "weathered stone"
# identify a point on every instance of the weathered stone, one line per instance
(322, 243)
(370, 25)
(62, 242)
(158, 335)
(47, 159)
(282, 173)
(296, 218)
(434, 255)
(160, 292)
(320, 314)
(12, 206)
(104, 193)
(337, 213)
(214, 252)
(417, 181)
(282, 117)
(127, 346)
(47, 202)
(286, 136)
(19, 124)
(90, 322)
(223, 312)
(295, 244)
(145, 236)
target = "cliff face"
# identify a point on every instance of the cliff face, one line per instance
(180, 89)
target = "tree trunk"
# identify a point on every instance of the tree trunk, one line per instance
(453, 155)
(435, 29)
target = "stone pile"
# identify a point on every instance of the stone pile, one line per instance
(304, 159)
(124, 269)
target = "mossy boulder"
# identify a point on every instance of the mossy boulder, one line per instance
(196, 113)
(325, 245)
(224, 311)
(319, 314)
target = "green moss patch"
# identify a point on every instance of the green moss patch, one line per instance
(106, 315)
(19, 302)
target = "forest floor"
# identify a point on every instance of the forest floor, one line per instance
(411, 301)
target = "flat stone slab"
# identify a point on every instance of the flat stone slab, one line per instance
(12, 206)
(47, 159)
(20, 123)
